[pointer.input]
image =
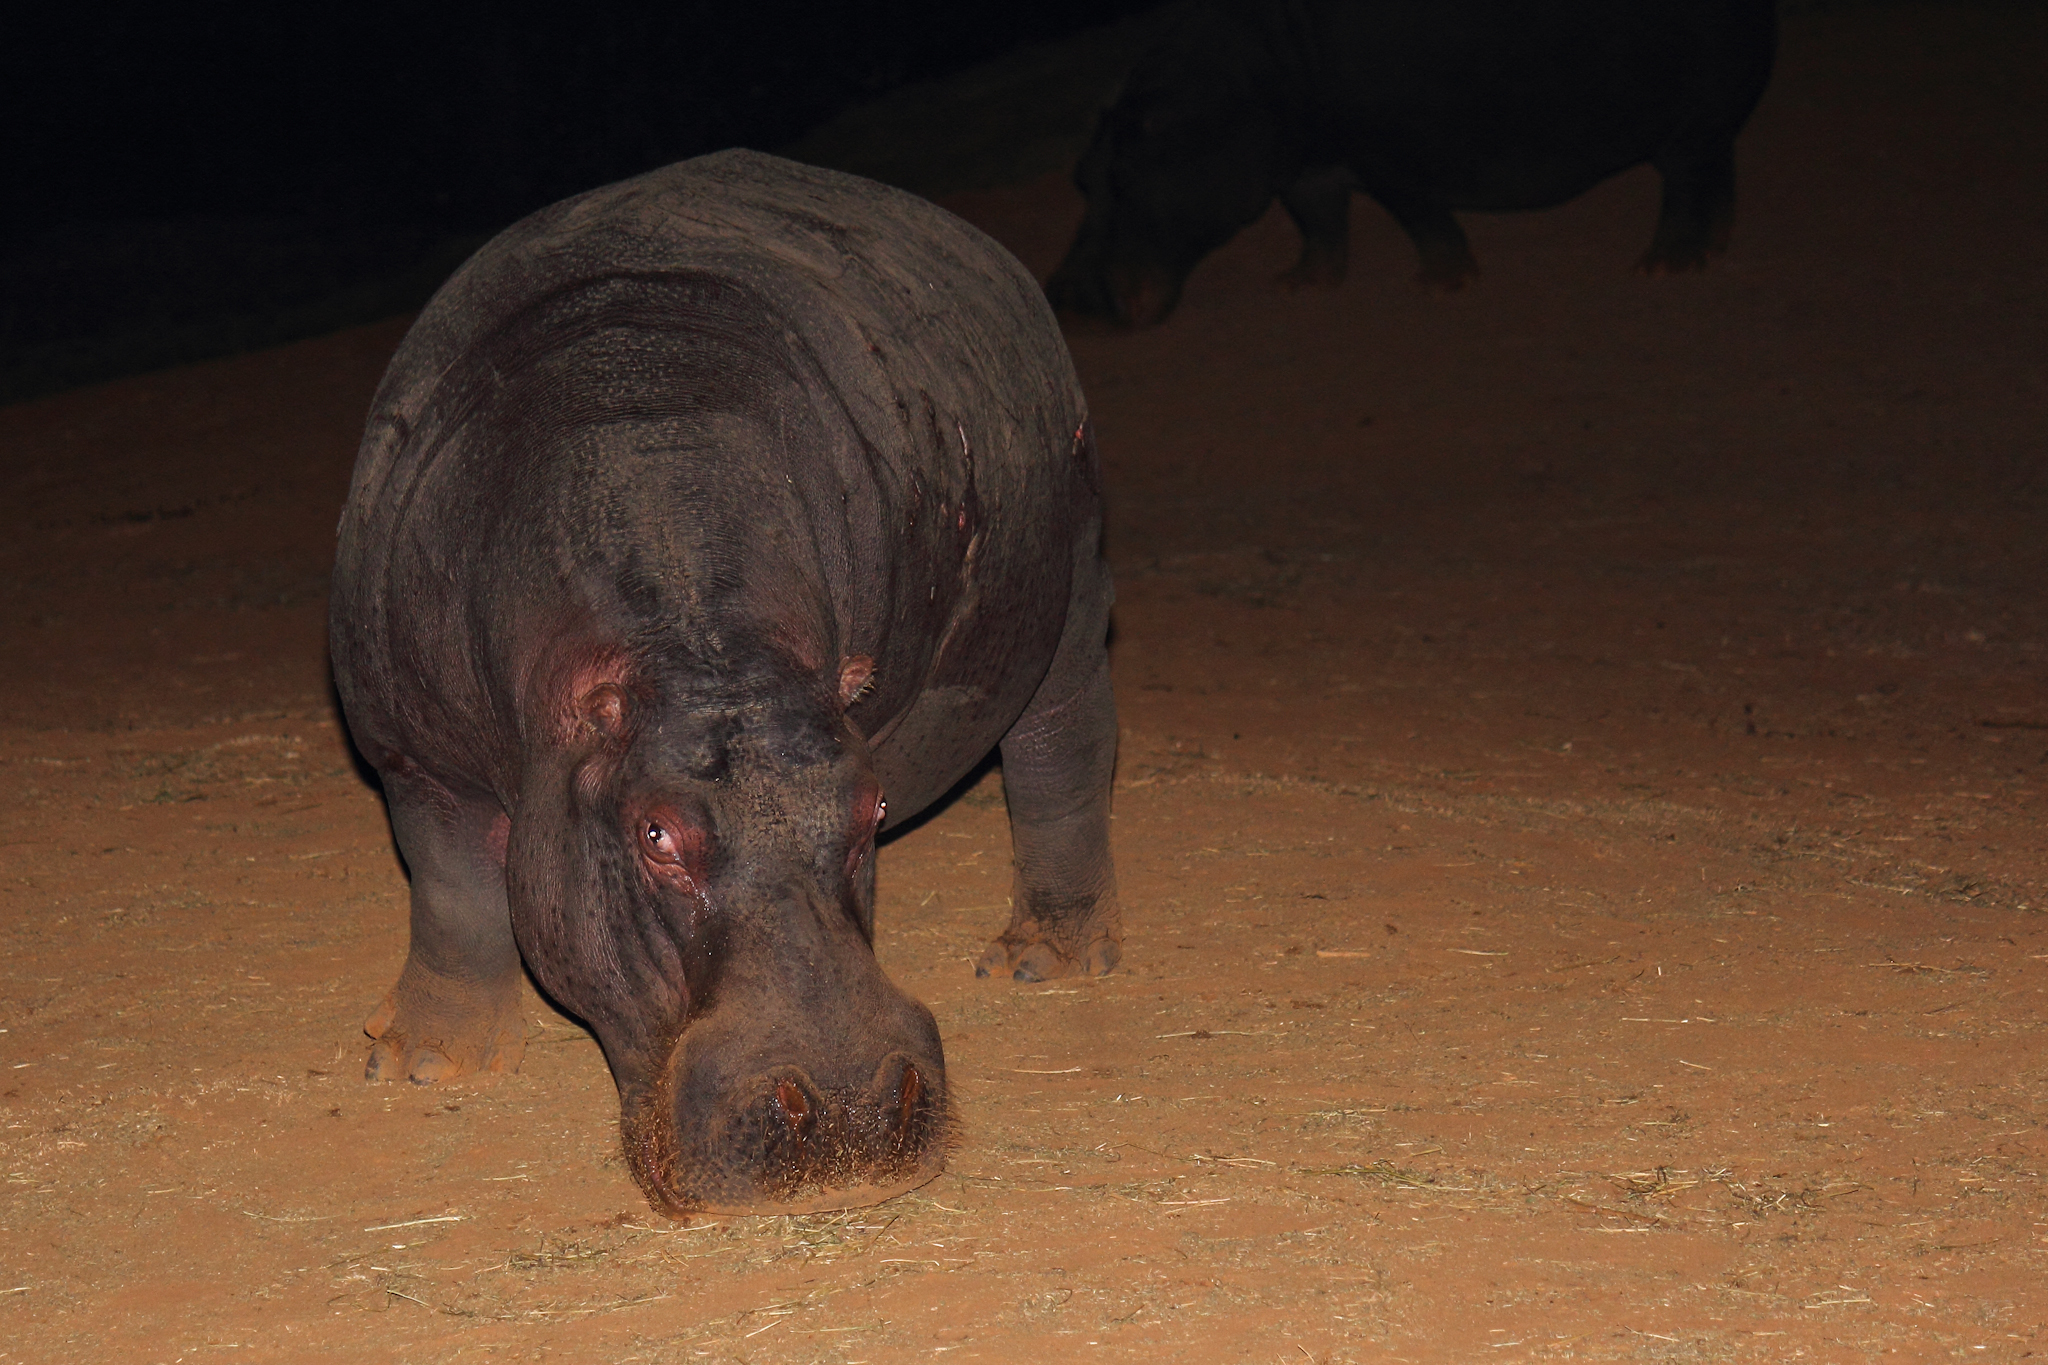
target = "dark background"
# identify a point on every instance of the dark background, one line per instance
(190, 180)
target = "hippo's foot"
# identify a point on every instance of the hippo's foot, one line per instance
(432, 1029)
(1447, 273)
(1677, 259)
(1316, 270)
(1040, 949)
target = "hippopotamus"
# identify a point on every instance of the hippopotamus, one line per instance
(1453, 105)
(705, 527)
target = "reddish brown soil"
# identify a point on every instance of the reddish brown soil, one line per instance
(1580, 819)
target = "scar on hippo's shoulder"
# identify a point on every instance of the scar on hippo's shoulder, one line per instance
(497, 837)
(1086, 455)
(856, 675)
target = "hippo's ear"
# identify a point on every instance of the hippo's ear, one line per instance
(856, 672)
(605, 709)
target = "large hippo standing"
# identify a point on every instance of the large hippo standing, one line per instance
(1428, 106)
(697, 517)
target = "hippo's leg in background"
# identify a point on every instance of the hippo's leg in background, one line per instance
(455, 1009)
(1058, 760)
(1699, 206)
(1320, 204)
(1446, 256)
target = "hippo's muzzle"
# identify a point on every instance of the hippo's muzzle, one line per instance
(795, 1114)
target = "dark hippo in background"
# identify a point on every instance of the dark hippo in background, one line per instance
(695, 516)
(1429, 106)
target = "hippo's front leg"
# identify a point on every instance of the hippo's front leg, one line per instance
(1058, 760)
(455, 1009)
(1698, 212)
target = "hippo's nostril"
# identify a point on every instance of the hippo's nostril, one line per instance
(909, 1100)
(908, 1093)
(796, 1108)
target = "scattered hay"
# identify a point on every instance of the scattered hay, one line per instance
(1392, 1176)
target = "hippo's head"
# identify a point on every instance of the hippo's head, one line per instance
(691, 870)
(1185, 159)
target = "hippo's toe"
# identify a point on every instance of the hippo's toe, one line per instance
(430, 1065)
(385, 1063)
(1037, 963)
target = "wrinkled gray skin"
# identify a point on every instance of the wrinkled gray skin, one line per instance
(1429, 108)
(696, 517)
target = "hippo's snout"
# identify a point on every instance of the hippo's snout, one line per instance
(731, 1135)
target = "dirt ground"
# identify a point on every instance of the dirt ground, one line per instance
(1579, 817)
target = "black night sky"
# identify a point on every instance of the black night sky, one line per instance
(177, 171)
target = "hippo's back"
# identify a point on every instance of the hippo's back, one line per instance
(1501, 105)
(888, 263)
(911, 359)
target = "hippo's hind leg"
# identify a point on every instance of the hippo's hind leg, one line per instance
(1320, 204)
(1698, 212)
(1058, 760)
(455, 1009)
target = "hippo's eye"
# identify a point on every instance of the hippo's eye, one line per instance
(671, 844)
(659, 843)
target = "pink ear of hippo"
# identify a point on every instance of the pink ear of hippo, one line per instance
(856, 671)
(583, 688)
(604, 709)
